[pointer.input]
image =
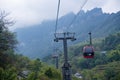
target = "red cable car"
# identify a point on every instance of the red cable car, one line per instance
(88, 52)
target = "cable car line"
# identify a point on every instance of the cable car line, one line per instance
(58, 8)
(56, 24)
(81, 7)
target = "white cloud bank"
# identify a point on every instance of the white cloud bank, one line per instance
(31, 12)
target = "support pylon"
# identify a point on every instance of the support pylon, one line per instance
(66, 68)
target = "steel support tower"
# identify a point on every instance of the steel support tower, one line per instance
(56, 61)
(66, 68)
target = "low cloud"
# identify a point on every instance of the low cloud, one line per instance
(111, 6)
(32, 12)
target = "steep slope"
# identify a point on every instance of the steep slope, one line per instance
(37, 41)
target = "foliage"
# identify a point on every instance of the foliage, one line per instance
(16, 66)
(7, 40)
(110, 74)
(105, 63)
(31, 76)
(49, 73)
(112, 41)
(8, 74)
(109, 71)
(7, 45)
(53, 74)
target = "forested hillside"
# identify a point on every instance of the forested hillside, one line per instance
(104, 65)
(37, 41)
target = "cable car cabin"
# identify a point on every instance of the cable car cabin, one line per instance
(88, 52)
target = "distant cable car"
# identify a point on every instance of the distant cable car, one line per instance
(88, 52)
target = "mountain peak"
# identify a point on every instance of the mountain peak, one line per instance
(68, 15)
(95, 10)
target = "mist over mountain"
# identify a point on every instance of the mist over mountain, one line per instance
(37, 41)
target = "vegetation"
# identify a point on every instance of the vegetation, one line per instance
(17, 67)
(104, 66)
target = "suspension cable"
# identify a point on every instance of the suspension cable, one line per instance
(56, 25)
(77, 14)
(58, 8)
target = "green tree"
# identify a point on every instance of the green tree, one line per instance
(31, 76)
(113, 55)
(49, 73)
(7, 45)
(112, 41)
(117, 77)
(35, 67)
(7, 39)
(110, 74)
(8, 74)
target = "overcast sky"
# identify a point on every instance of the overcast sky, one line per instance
(33, 12)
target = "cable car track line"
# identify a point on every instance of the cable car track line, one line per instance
(77, 14)
(56, 24)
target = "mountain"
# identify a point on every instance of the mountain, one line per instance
(37, 41)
